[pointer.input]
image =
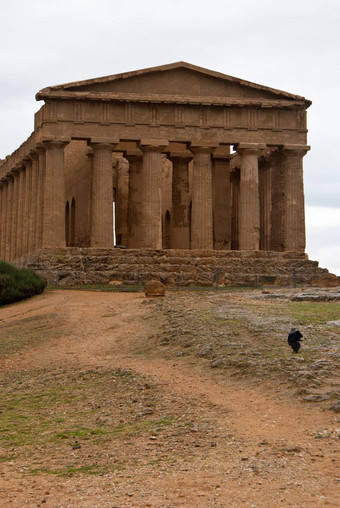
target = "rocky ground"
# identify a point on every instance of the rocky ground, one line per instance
(193, 399)
(244, 335)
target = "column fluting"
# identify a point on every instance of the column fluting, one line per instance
(102, 196)
(151, 225)
(201, 209)
(53, 219)
(249, 201)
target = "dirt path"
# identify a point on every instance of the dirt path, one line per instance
(257, 450)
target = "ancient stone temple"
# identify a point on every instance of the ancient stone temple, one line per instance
(172, 162)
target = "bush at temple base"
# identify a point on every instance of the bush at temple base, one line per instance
(18, 283)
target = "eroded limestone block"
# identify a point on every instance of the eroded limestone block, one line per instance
(326, 280)
(154, 288)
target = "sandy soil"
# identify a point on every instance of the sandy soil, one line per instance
(249, 446)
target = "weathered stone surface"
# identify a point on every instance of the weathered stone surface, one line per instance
(327, 281)
(161, 151)
(157, 143)
(73, 266)
(154, 288)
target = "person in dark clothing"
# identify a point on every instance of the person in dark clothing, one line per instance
(294, 338)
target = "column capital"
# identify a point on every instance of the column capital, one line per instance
(33, 155)
(97, 144)
(17, 168)
(89, 153)
(300, 149)
(222, 156)
(54, 144)
(128, 154)
(250, 148)
(185, 156)
(40, 149)
(153, 145)
(27, 161)
(202, 147)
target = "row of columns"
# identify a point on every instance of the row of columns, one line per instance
(32, 199)
(266, 201)
(32, 203)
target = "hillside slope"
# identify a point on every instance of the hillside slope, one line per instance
(193, 400)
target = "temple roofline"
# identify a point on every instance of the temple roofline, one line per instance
(45, 92)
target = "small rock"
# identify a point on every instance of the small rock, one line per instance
(335, 323)
(320, 364)
(317, 397)
(336, 407)
(294, 449)
(216, 362)
(205, 351)
(154, 288)
(116, 283)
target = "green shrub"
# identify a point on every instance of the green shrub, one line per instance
(18, 283)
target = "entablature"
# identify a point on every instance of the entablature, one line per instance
(173, 99)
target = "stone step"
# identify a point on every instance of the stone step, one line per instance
(75, 266)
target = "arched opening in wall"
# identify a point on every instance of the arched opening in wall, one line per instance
(166, 240)
(67, 224)
(73, 223)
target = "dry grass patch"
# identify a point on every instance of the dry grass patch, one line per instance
(93, 421)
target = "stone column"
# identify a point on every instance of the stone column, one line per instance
(180, 226)
(41, 163)
(151, 226)
(32, 202)
(122, 200)
(27, 199)
(20, 210)
(265, 203)
(277, 202)
(53, 220)
(294, 219)
(102, 195)
(3, 190)
(14, 222)
(201, 210)
(249, 204)
(221, 195)
(135, 159)
(235, 197)
(9, 230)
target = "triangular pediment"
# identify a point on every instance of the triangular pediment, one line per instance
(178, 79)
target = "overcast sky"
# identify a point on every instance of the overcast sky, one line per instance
(292, 45)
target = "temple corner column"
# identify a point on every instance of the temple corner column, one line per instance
(294, 234)
(53, 195)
